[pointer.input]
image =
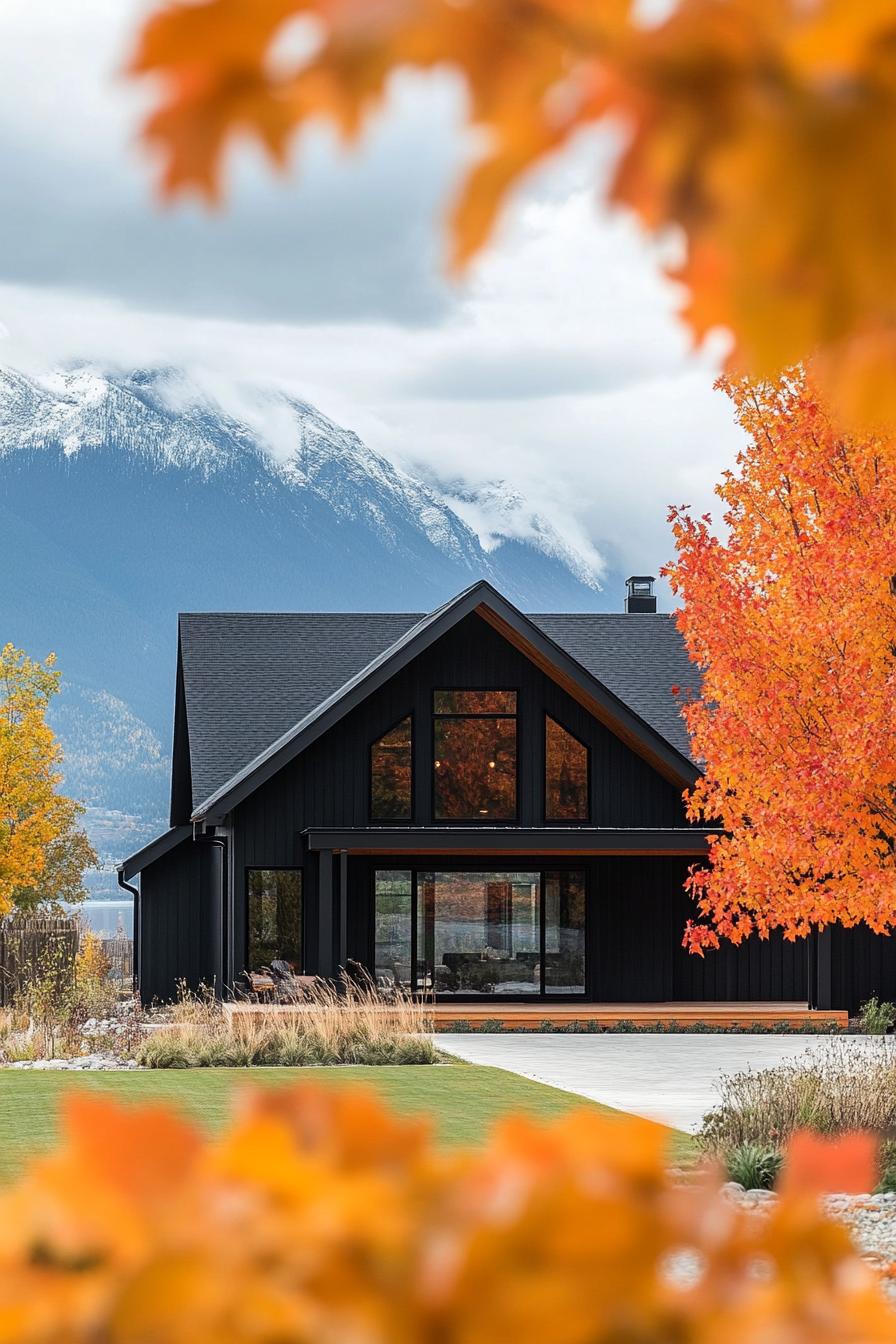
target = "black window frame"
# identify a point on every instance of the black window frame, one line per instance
(542, 864)
(276, 868)
(565, 821)
(393, 821)
(490, 714)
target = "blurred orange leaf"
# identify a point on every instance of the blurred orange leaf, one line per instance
(820, 1164)
(764, 129)
(321, 1216)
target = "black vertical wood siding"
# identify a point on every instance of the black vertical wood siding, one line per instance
(638, 913)
(862, 964)
(176, 920)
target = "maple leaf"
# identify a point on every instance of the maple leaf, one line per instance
(820, 1164)
(764, 132)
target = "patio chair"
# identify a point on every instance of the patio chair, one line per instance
(262, 985)
(291, 988)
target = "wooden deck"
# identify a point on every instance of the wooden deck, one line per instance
(642, 1015)
(531, 1016)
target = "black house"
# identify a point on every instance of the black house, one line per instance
(477, 803)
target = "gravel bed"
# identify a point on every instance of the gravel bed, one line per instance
(79, 1063)
(871, 1220)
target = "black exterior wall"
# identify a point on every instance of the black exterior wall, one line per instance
(177, 921)
(857, 964)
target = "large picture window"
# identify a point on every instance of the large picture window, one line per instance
(274, 918)
(393, 929)
(474, 755)
(566, 774)
(391, 759)
(481, 934)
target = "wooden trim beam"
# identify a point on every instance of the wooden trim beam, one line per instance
(682, 776)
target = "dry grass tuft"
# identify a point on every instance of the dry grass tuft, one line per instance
(840, 1087)
(344, 1024)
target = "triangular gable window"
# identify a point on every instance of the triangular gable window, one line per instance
(391, 790)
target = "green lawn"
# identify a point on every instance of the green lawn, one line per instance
(464, 1099)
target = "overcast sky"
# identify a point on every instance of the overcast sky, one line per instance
(557, 365)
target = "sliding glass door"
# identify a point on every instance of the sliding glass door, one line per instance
(481, 933)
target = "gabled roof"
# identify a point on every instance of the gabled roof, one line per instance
(307, 671)
(250, 677)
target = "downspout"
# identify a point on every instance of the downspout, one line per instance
(135, 893)
(200, 839)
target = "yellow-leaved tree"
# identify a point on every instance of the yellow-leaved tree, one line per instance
(43, 851)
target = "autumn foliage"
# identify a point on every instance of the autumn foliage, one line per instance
(765, 130)
(43, 852)
(790, 615)
(321, 1217)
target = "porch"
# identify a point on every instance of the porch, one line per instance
(530, 1016)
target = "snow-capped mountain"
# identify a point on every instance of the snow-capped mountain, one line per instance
(128, 496)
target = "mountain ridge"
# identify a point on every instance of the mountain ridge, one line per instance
(127, 496)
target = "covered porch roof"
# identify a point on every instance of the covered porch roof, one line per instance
(477, 840)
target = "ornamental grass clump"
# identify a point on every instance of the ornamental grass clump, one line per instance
(321, 1217)
(345, 1024)
(753, 1166)
(845, 1086)
(877, 1017)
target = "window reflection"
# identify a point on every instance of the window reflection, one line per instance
(564, 932)
(393, 915)
(566, 774)
(274, 922)
(470, 934)
(474, 746)
(390, 774)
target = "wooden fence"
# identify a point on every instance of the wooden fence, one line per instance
(29, 943)
(119, 952)
(32, 941)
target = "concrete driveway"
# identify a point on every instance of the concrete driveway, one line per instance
(667, 1078)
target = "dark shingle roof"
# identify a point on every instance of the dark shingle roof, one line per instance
(638, 657)
(250, 677)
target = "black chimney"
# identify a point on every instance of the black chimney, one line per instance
(639, 594)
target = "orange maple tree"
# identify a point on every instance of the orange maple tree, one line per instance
(790, 615)
(764, 129)
(318, 1216)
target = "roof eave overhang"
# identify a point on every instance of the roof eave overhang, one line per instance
(488, 603)
(156, 849)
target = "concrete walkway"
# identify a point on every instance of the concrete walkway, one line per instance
(667, 1078)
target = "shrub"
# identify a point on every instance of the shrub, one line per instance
(320, 1215)
(835, 1088)
(492, 1025)
(877, 1018)
(349, 1024)
(753, 1166)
